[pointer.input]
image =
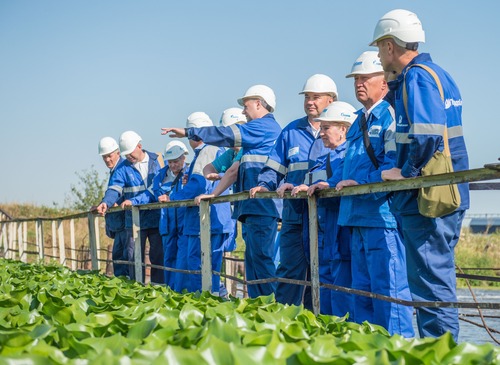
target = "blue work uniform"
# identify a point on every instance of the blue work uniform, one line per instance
(333, 240)
(220, 220)
(171, 220)
(221, 165)
(429, 242)
(378, 254)
(115, 229)
(293, 155)
(128, 184)
(259, 217)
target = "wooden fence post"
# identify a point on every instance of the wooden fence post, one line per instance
(136, 233)
(93, 240)
(3, 239)
(72, 243)
(54, 240)
(206, 247)
(20, 243)
(25, 239)
(313, 243)
(62, 248)
(39, 239)
(12, 240)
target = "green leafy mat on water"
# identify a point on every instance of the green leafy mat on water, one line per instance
(51, 315)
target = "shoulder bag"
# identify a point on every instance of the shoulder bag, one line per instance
(436, 201)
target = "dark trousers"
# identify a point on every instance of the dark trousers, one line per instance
(155, 252)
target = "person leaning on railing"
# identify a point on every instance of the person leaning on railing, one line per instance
(429, 242)
(259, 217)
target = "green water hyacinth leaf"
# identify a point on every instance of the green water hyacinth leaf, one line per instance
(280, 349)
(142, 329)
(16, 339)
(216, 352)
(179, 355)
(295, 332)
(467, 353)
(26, 359)
(253, 355)
(117, 344)
(66, 318)
(190, 316)
(224, 331)
(41, 331)
(324, 347)
(79, 331)
(261, 338)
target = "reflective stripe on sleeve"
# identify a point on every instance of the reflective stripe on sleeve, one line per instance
(276, 166)
(436, 129)
(237, 135)
(319, 175)
(298, 166)
(254, 158)
(134, 189)
(390, 145)
(453, 132)
(117, 188)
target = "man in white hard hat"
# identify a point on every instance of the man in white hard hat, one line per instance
(220, 214)
(378, 255)
(115, 222)
(295, 152)
(259, 217)
(423, 115)
(169, 180)
(225, 168)
(132, 182)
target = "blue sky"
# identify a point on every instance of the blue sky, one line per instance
(72, 72)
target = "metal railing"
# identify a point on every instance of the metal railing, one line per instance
(13, 232)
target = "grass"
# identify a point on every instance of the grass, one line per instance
(478, 251)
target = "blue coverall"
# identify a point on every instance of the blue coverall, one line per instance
(333, 240)
(127, 184)
(429, 242)
(115, 229)
(259, 217)
(378, 254)
(295, 152)
(220, 220)
(171, 222)
(221, 165)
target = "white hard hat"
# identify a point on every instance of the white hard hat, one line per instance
(338, 111)
(128, 142)
(320, 84)
(367, 63)
(232, 116)
(400, 24)
(198, 120)
(174, 150)
(260, 91)
(107, 145)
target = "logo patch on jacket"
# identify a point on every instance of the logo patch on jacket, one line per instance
(374, 131)
(293, 151)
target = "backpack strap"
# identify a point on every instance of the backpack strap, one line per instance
(366, 141)
(446, 149)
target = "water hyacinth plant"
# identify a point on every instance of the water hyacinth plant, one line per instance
(51, 315)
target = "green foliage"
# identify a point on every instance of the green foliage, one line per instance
(88, 191)
(50, 315)
(478, 251)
